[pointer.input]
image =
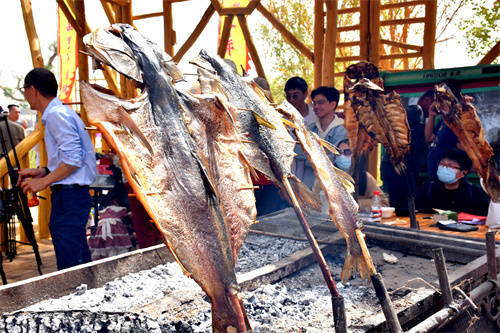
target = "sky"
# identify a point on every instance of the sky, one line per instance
(16, 59)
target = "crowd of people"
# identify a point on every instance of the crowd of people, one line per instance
(437, 166)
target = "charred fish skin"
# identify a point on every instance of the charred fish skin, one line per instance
(263, 125)
(189, 215)
(213, 129)
(342, 207)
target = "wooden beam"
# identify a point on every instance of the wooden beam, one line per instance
(491, 55)
(349, 28)
(347, 58)
(226, 30)
(349, 44)
(70, 15)
(328, 78)
(251, 46)
(168, 28)
(109, 11)
(407, 3)
(402, 45)
(403, 21)
(401, 55)
(234, 11)
(294, 41)
(149, 15)
(319, 27)
(34, 42)
(429, 34)
(195, 34)
(119, 2)
(83, 65)
(364, 30)
(216, 4)
(374, 49)
(342, 11)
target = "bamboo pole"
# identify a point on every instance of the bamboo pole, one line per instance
(251, 46)
(226, 30)
(319, 25)
(37, 59)
(195, 34)
(294, 41)
(328, 77)
(168, 28)
(491, 55)
(429, 33)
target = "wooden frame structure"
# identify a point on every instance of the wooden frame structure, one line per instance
(326, 43)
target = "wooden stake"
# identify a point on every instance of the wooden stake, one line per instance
(226, 31)
(251, 46)
(195, 34)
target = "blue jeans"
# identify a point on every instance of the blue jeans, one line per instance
(68, 221)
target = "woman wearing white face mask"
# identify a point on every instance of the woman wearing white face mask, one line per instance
(452, 191)
(367, 183)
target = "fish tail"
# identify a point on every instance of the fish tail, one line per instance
(400, 168)
(346, 273)
(306, 198)
(234, 319)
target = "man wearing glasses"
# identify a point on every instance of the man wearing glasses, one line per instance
(71, 168)
(328, 125)
(452, 191)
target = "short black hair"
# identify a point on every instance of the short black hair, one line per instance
(296, 82)
(10, 106)
(428, 94)
(331, 93)
(460, 157)
(43, 80)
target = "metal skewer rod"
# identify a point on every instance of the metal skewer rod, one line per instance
(338, 306)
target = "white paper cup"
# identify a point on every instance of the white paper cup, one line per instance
(387, 212)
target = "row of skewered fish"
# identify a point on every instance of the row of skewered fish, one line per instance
(188, 151)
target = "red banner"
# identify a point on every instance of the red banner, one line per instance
(68, 56)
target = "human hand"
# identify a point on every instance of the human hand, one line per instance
(30, 172)
(33, 185)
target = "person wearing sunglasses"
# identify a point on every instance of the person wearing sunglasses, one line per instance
(451, 191)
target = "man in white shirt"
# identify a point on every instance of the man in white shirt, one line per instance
(296, 94)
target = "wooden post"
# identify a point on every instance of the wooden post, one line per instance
(37, 59)
(429, 33)
(226, 30)
(251, 46)
(168, 28)
(374, 44)
(319, 25)
(330, 47)
(109, 11)
(364, 30)
(83, 64)
(195, 34)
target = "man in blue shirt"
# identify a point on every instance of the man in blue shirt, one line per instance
(71, 168)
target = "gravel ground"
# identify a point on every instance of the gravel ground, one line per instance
(162, 299)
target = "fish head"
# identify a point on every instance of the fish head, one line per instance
(365, 85)
(444, 99)
(362, 69)
(105, 46)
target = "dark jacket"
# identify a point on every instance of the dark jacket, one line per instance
(467, 198)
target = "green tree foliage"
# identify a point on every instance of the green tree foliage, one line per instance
(298, 17)
(481, 27)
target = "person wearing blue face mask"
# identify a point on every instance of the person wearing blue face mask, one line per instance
(367, 183)
(452, 191)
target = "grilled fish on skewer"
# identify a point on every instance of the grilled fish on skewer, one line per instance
(381, 115)
(337, 186)
(182, 202)
(460, 115)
